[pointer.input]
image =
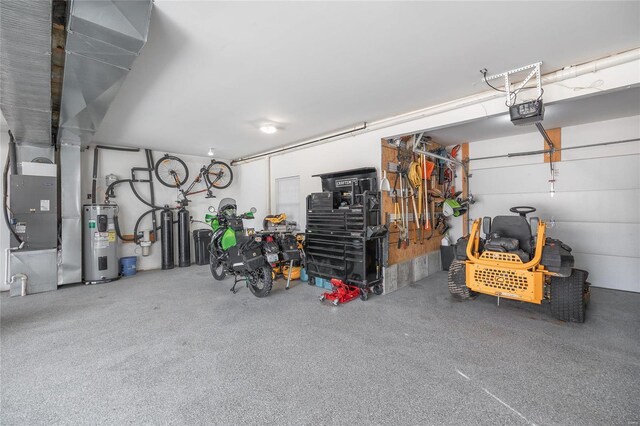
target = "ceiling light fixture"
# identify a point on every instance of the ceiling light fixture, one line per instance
(268, 129)
(210, 153)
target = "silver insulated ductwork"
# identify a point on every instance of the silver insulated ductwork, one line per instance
(103, 39)
(25, 74)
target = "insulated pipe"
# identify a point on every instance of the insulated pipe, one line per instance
(150, 166)
(10, 164)
(554, 77)
(12, 154)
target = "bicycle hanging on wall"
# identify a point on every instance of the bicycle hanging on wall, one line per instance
(172, 172)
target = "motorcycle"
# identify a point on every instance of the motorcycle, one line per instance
(237, 254)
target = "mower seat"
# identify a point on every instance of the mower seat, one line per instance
(502, 244)
(513, 227)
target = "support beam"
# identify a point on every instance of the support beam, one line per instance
(555, 135)
(465, 188)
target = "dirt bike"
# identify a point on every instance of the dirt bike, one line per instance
(237, 254)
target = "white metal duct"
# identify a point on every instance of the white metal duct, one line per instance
(103, 39)
(25, 75)
(70, 256)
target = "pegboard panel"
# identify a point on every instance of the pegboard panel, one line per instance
(415, 248)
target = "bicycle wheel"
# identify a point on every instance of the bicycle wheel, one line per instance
(171, 171)
(219, 175)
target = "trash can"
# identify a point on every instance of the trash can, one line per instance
(201, 241)
(447, 254)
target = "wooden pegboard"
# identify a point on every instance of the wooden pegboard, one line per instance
(415, 249)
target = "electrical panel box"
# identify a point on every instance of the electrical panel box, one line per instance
(34, 211)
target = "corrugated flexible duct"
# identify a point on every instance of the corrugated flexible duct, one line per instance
(25, 74)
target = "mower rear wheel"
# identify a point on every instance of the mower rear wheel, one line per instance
(261, 285)
(569, 296)
(457, 279)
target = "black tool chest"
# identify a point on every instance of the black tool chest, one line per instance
(344, 234)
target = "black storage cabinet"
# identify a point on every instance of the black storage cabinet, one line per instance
(346, 242)
(201, 241)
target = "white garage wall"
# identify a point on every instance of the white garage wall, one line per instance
(4, 231)
(359, 151)
(251, 190)
(596, 208)
(130, 208)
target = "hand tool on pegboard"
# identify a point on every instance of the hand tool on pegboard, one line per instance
(427, 171)
(414, 181)
(404, 160)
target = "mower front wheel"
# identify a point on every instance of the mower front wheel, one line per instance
(217, 268)
(569, 296)
(364, 294)
(457, 279)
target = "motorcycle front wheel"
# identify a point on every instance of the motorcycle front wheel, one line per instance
(261, 282)
(217, 269)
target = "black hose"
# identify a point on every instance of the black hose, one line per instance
(5, 188)
(118, 148)
(136, 236)
(133, 188)
(150, 165)
(135, 192)
(117, 182)
(135, 228)
(95, 165)
(116, 224)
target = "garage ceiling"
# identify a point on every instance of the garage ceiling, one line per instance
(213, 72)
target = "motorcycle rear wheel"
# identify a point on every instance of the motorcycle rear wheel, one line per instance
(261, 285)
(217, 269)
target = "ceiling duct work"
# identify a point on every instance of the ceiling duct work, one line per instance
(25, 75)
(103, 39)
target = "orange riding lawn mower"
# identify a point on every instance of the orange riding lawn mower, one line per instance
(517, 261)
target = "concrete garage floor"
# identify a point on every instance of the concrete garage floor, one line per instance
(176, 347)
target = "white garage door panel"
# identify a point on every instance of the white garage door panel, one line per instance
(629, 148)
(613, 239)
(510, 180)
(503, 146)
(615, 206)
(580, 175)
(621, 273)
(611, 130)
